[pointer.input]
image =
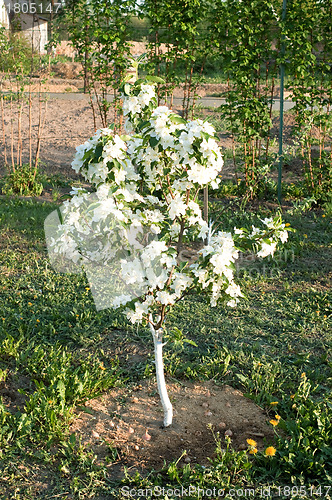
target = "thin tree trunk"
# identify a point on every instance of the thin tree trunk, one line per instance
(30, 126)
(93, 111)
(3, 127)
(206, 204)
(85, 68)
(12, 133)
(41, 123)
(19, 133)
(161, 384)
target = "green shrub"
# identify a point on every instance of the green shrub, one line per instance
(15, 52)
(25, 180)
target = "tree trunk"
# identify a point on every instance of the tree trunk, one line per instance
(162, 390)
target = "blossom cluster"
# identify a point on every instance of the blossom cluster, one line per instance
(131, 233)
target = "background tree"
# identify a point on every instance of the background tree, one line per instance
(179, 26)
(100, 33)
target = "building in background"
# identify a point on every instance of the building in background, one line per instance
(20, 16)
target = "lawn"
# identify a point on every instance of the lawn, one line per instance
(274, 347)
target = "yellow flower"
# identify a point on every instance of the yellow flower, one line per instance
(274, 422)
(29, 304)
(303, 375)
(287, 224)
(87, 288)
(37, 320)
(251, 442)
(253, 451)
(277, 417)
(270, 451)
(305, 235)
(274, 403)
(323, 215)
(102, 367)
(292, 396)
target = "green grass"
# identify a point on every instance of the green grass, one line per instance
(275, 347)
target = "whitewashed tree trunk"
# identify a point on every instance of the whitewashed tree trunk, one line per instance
(158, 353)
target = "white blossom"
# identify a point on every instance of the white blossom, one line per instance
(267, 249)
(177, 206)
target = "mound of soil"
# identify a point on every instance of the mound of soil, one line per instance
(130, 422)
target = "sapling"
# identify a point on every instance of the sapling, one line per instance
(140, 234)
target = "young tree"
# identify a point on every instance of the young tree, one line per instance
(133, 233)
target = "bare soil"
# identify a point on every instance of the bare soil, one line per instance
(123, 427)
(130, 421)
(68, 123)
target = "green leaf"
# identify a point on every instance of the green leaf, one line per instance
(61, 389)
(143, 125)
(72, 439)
(98, 152)
(126, 89)
(155, 79)
(153, 141)
(242, 378)
(177, 119)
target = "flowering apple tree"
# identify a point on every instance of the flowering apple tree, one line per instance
(134, 232)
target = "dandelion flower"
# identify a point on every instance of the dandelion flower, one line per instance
(270, 451)
(277, 417)
(253, 451)
(274, 422)
(251, 442)
(274, 403)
